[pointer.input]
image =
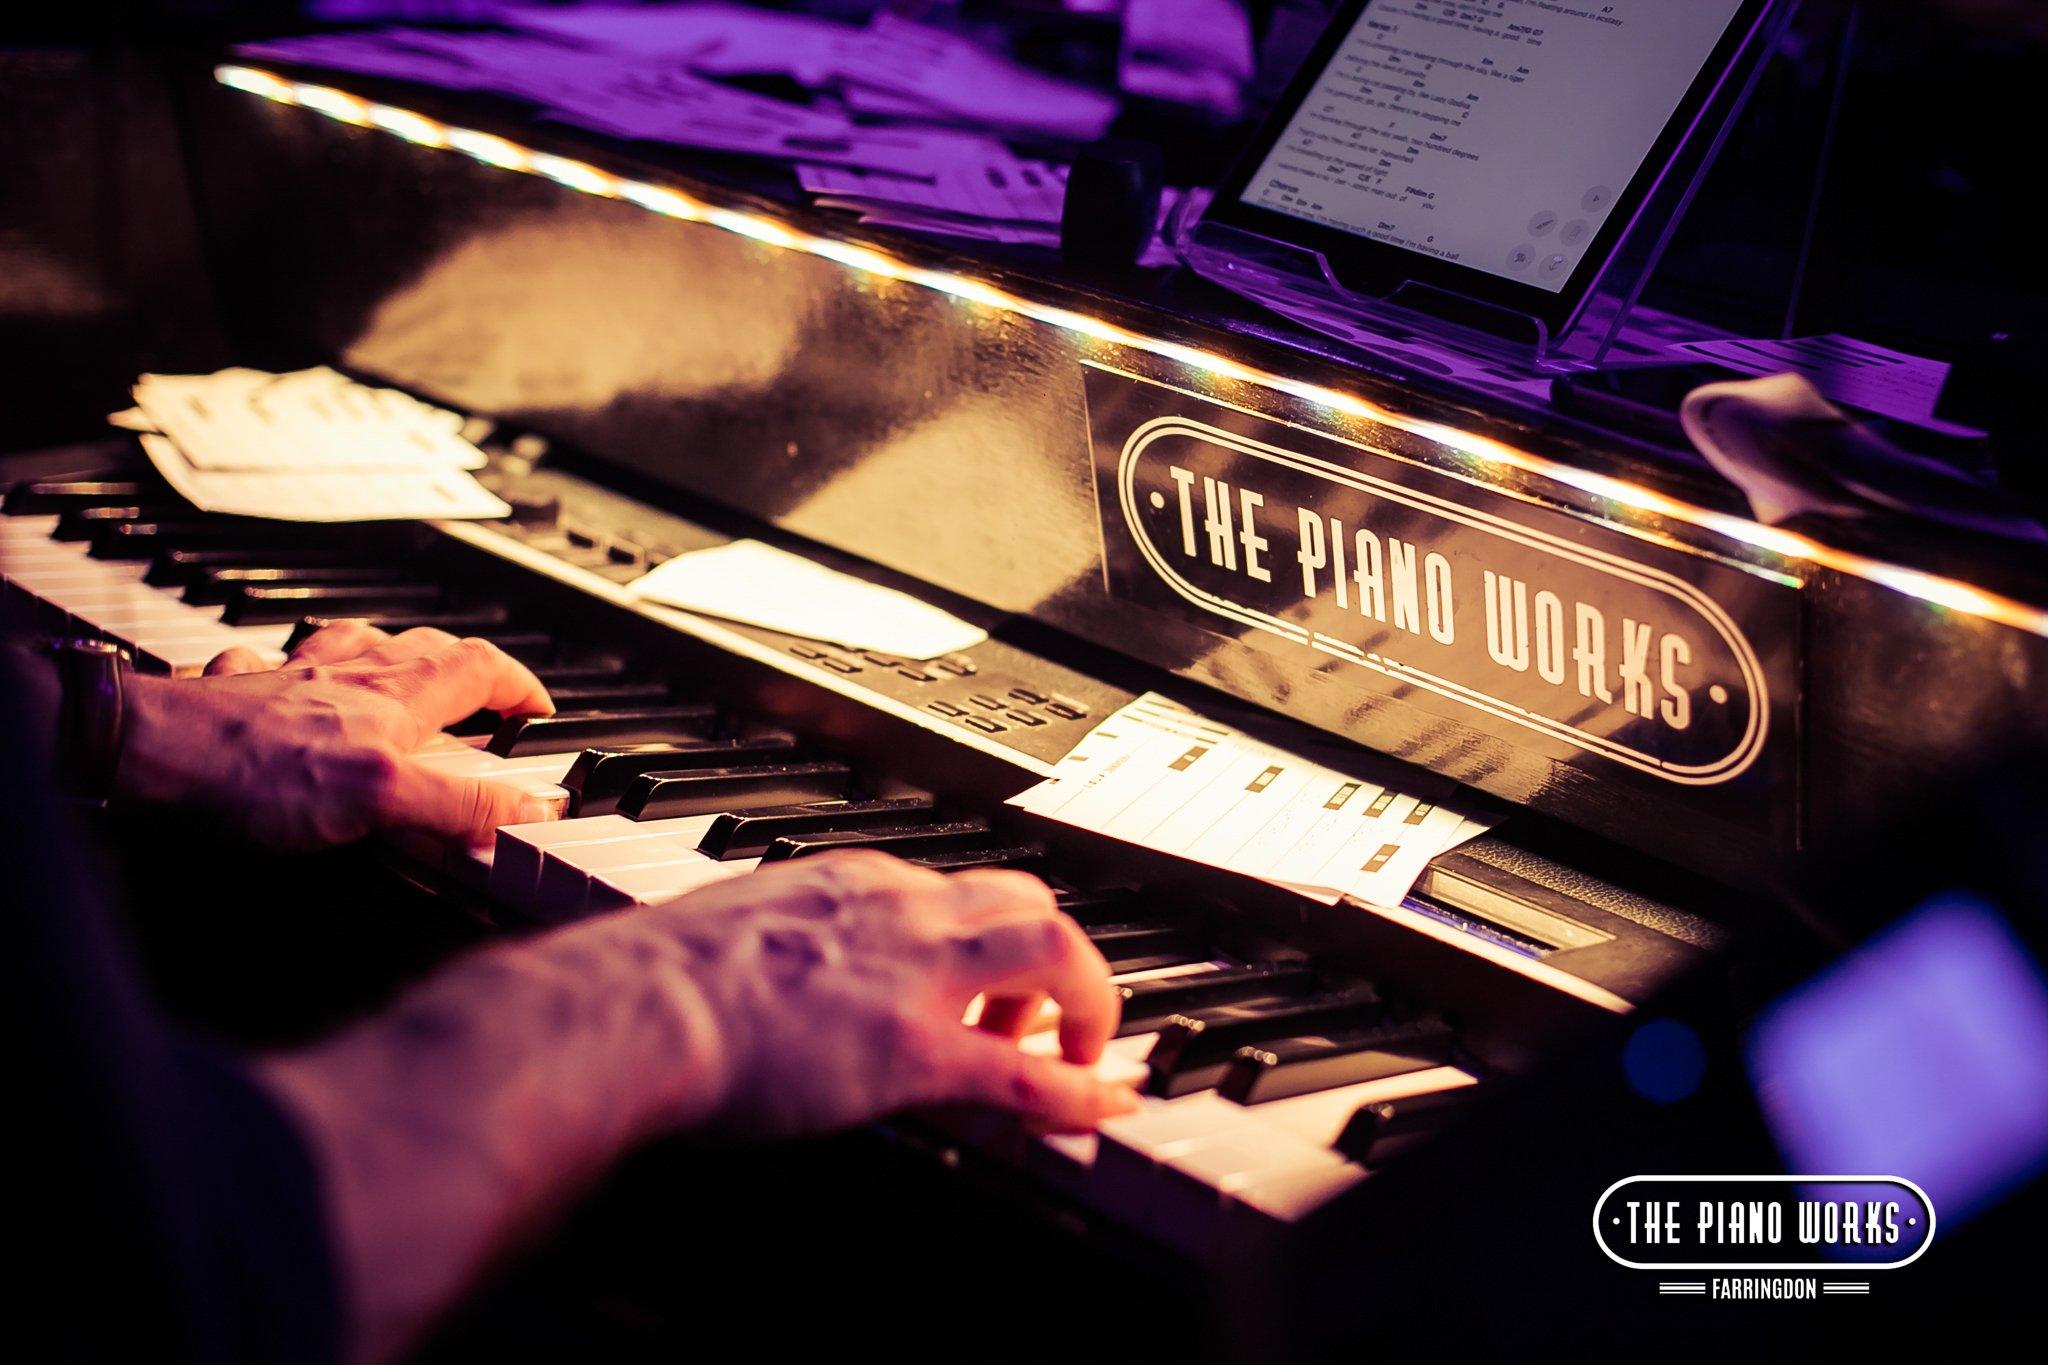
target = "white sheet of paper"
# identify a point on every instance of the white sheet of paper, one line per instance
(317, 418)
(422, 494)
(717, 39)
(1859, 373)
(761, 585)
(1167, 778)
(955, 75)
(1004, 189)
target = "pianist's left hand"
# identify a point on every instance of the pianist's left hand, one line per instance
(315, 753)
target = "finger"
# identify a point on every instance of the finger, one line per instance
(230, 662)
(1010, 1016)
(335, 644)
(1047, 953)
(410, 644)
(988, 894)
(1049, 1092)
(424, 798)
(469, 676)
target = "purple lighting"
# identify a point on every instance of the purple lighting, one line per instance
(1924, 1055)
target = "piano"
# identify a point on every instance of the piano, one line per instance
(1677, 707)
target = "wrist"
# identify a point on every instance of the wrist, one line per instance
(668, 1057)
(154, 764)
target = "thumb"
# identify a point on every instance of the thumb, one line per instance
(457, 807)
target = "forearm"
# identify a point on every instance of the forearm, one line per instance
(462, 1116)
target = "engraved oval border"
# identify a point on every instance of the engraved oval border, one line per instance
(1748, 747)
(1839, 1267)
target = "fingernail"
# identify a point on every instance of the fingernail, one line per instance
(1122, 1100)
(532, 812)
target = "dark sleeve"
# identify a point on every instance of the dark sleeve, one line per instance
(172, 1212)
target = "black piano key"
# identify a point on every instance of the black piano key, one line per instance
(575, 672)
(1144, 946)
(217, 585)
(1322, 1061)
(601, 775)
(486, 621)
(1023, 857)
(257, 604)
(41, 497)
(716, 791)
(1378, 1132)
(567, 730)
(614, 694)
(1195, 1048)
(1147, 1004)
(145, 539)
(719, 790)
(751, 835)
(938, 836)
(596, 696)
(1118, 905)
(82, 523)
(176, 568)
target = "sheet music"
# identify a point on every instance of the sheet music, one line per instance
(312, 445)
(1193, 52)
(250, 419)
(323, 495)
(1002, 189)
(1162, 776)
(1496, 134)
(761, 585)
(1861, 374)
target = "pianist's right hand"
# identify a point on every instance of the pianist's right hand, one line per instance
(809, 996)
(315, 753)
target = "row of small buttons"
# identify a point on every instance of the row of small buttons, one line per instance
(850, 663)
(1009, 710)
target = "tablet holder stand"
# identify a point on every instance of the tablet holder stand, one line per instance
(1297, 281)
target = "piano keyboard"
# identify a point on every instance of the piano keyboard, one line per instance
(1270, 1084)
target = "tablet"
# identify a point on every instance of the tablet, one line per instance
(1495, 148)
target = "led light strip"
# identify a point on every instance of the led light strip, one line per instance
(1946, 593)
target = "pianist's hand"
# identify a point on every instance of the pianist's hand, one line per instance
(314, 753)
(832, 990)
(809, 996)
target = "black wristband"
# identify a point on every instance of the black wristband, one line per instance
(92, 718)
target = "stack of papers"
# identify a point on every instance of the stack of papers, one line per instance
(1192, 52)
(1167, 778)
(1859, 374)
(905, 124)
(313, 445)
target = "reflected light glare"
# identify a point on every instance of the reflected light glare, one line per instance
(409, 126)
(332, 103)
(255, 82)
(497, 151)
(576, 175)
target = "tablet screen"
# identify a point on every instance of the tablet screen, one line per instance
(1492, 134)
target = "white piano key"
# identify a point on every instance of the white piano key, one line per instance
(1198, 1177)
(567, 872)
(663, 882)
(27, 528)
(1319, 1117)
(1293, 1195)
(522, 849)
